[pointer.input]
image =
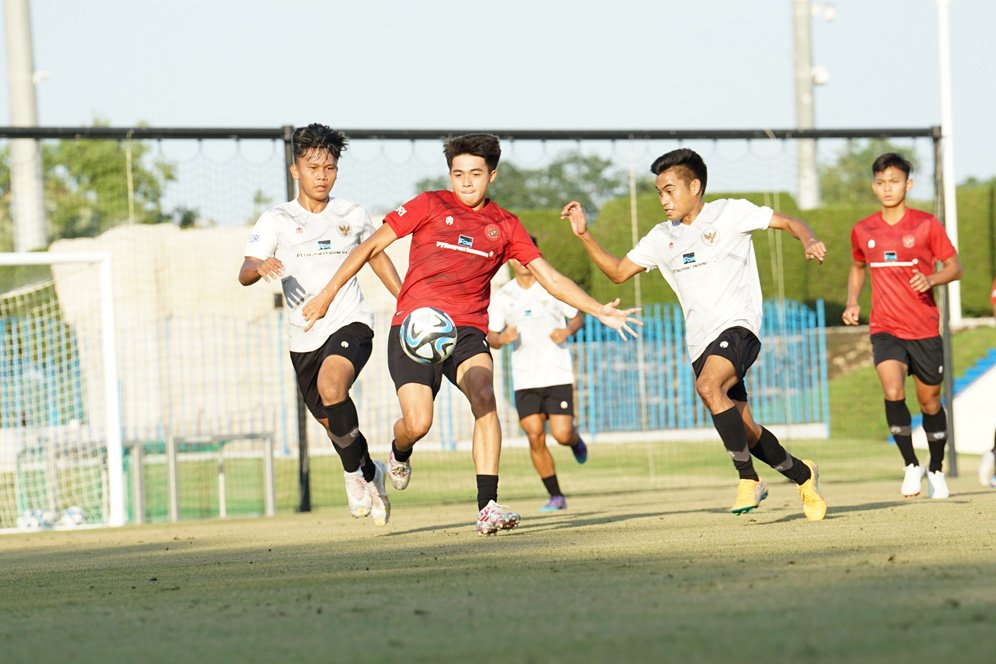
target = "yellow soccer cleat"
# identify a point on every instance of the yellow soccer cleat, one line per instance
(750, 493)
(813, 504)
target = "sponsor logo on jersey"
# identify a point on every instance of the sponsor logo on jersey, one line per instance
(325, 244)
(724, 344)
(491, 231)
(871, 244)
(909, 241)
(299, 230)
(465, 241)
(401, 210)
(710, 236)
(449, 221)
(344, 229)
(670, 245)
(688, 258)
(890, 256)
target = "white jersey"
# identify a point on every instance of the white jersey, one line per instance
(710, 265)
(536, 360)
(312, 247)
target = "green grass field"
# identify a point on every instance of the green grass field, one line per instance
(628, 573)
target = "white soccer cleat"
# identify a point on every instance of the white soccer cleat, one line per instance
(495, 517)
(380, 506)
(937, 487)
(987, 470)
(399, 471)
(357, 493)
(912, 481)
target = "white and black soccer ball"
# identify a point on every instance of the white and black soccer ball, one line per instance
(428, 335)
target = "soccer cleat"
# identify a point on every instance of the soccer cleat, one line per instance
(750, 493)
(987, 470)
(357, 494)
(813, 504)
(555, 504)
(580, 451)
(912, 480)
(399, 471)
(937, 487)
(380, 506)
(495, 517)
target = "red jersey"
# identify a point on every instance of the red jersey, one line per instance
(892, 253)
(994, 291)
(454, 254)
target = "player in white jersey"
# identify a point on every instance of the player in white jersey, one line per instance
(302, 243)
(705, 252)
(536, 324)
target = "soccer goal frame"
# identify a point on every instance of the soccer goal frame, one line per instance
(115, 496)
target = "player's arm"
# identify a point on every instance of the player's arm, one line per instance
(565, 290)
(855, 282)
(316, 307)
(498, 339)
(616, 269)
(560, 334)
(800, 230)
(383, 267)
(950, 271)
(255, 268)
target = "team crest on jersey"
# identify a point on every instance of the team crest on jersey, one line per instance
(325, 244)
(491, 231)
(710, 236)
(344, 229)
(449, 221)
(909, 241)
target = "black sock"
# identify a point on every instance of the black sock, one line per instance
(398, 454)
(897, 415)
(936, 428)
(487, 490)
(369, 469)
(771, 452)
(731, 429)
(552, 485)
(346, 437)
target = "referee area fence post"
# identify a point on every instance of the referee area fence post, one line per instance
(948, 399)
(303, 470)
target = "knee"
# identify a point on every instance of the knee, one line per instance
(894, 393)
(708, 390)
(333, 391)
(417, 425)
(482, 400)
(537, 439)
(563, 435)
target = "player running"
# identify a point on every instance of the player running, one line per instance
(900, 246)
(460, 238)
(302, 243)
(706, 254)
(537, 326)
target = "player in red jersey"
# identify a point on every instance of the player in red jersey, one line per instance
(460, 239)
(987, 467)
(900, 246)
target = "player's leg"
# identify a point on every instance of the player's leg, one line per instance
(474, 376)
(765, 447)
(926, 365)
(892, 366)
(987, 466)
(558, 403)
(534, 425)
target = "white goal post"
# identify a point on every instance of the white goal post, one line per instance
(91, 429)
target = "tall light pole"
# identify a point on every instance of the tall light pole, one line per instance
(807, 179)
(26, 185)
(947, 149)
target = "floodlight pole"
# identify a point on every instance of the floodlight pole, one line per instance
(808, 183)
(947, 144)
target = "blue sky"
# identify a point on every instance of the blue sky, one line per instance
(512, 64)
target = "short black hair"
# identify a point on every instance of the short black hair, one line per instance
(318, 137)
(485, 146)
(688, 162)
(892, 160)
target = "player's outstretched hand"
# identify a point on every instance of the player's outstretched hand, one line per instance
(575, 214)
(815, 250)
(850, 315)
(270, 269)
(619, 319)
(920, 282)
(315, 308)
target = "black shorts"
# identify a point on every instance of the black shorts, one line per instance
(924, 358)
(551, 400)
(353, 342)
(741, 347)
(470, 342)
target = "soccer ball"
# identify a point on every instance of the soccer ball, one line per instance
(428, 335)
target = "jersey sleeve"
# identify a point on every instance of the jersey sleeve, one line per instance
(520, 245)
(366, 228)
(748, 217)
(406, 218)
(568, 311)
(857, 251)
(645, 252)
(496, 311)
(263, 237)
(940, 243)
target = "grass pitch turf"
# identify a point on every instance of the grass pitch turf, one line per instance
(663, 575)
